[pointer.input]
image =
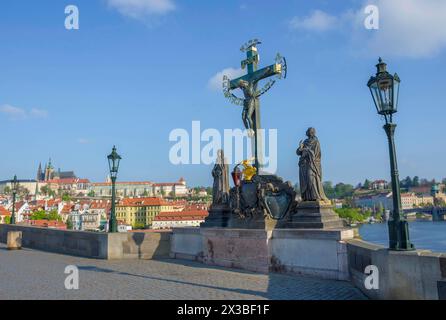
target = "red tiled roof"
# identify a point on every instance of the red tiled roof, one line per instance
(67, 208)
(4, 212)
(48, 224)
(182, 215)
(100, 204)
(141, 202)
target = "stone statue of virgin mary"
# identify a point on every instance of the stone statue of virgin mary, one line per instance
(220, 173)
(310, 169)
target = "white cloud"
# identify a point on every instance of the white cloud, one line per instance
(316, 21)
(13, 112)
(216, 82)
(407, 28)
(83, 141)
(140, 9)
(39, 113)
(16, 113)
(411, 28)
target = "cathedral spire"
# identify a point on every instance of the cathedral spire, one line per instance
(39, 172)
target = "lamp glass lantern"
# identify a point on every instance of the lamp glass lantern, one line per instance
(15, 185)
(113, 163)
(385, 88)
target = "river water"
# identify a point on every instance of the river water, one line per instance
(423, 234)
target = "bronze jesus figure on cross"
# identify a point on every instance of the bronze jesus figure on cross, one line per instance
(249, 86)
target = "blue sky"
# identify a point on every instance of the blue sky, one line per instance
(137, 69)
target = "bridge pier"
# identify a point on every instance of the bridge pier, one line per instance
(435, 215)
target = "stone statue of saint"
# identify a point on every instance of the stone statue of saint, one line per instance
(310, 170)
(220, 173)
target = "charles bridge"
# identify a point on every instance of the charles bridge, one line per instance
(194, 263)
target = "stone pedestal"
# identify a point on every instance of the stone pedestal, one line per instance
(315, 252)
(219, 216)
(14, 240)
(315, 215)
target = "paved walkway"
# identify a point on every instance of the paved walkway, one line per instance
(30, 274)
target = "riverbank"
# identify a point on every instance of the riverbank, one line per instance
(424, 234)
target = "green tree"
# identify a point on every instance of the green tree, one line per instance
(343, 190)
(39, 215)
(352, 215)
(406, 183)
(91, 193)
(66, 197)
(329, 190)
(366, 184)
(7, 190)
(416, 181)
(69, 224)
(7, 220)
(53, 215)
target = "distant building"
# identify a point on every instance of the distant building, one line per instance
(379, 185)
(49, 173)
(123, 189)
(29, 187)
(409, 200)
(141, 211)
(187, 218)
(140, 189)
(87, 216)
(72, 186)
(172, 189)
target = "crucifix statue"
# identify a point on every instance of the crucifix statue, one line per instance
(249, 86)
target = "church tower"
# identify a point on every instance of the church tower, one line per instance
(49, 171)
(39, 173)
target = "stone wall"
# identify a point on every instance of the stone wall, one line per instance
(138, 245)
(321, 253)
(416, 275)
(132, 245)
(188, 244)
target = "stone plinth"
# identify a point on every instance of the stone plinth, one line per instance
(236, 248)
(315, 215)
(317, 252)
(14, 240)
(186, 243)
(219, 216)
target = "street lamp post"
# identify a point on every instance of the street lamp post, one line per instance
(385, 92)
(113, 162)
(14, 189)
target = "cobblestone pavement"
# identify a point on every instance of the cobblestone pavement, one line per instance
(30, 274)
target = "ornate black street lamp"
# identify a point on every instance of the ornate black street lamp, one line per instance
(113, 162)
(14, 189)
(385, 91)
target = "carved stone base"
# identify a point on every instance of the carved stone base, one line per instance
(219, 216)
(315, 215)
(258, 221)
